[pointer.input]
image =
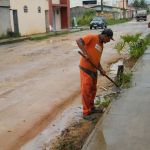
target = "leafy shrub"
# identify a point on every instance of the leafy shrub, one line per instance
(131, 38)
(119, 46)
(135, 46)
(86, 18)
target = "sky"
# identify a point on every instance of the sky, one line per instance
(148, 1)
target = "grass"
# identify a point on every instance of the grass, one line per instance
(46, 36)
(126, 80)
(116, 21)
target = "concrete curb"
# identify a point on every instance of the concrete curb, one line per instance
(9, 41)
(98, 125)
(39, 37)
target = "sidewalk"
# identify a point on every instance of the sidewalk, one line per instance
(41, 36)
(127, 124)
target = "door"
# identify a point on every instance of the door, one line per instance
(57, 20)
(15, 19)
(54, 21)
(46, 20)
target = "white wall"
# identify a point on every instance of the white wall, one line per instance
(74, 3)
(31, 22)
(107, 2)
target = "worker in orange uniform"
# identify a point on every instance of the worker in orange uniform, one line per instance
(92, 47)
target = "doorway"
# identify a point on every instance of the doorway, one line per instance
(15, 19)
(47, 21)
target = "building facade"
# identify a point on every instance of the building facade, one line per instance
(59, 14)
(4, 15)
(27, 17)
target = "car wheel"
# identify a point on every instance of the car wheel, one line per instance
(95, 28)
(90, 27)
(105, 26)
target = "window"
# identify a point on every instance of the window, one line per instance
(25, 9)
(39, 9)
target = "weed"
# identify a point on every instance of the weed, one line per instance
(103, 101)
(126, 78)
(119, 46)
(147, 39)
(133, 45)
(131, 38)
(66, 145)
(116, 21)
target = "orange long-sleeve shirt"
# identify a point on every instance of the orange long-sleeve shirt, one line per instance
(94, 49)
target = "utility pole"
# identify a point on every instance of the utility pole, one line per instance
(101, 6)
(123, 9)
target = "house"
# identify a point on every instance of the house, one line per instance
(4, 15)
(123, 4)
(59, 11)
(28, 17)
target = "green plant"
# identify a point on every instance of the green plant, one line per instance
(133, 45)
(105, 101)
(86, 18)
(119, 46)
(116, 21)
(131, 38)
(147, 39)
(137, 49)
(126, 79)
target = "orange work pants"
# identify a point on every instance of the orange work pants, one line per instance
(88, 92)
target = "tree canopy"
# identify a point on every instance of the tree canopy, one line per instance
(140, 4)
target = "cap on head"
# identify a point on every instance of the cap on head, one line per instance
(108, 32)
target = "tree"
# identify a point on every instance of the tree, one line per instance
(140, 4)
(143, 4)
(136, 3)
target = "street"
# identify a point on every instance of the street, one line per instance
(40, 78)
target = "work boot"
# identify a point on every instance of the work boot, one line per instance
(89, 117)
(97, 110)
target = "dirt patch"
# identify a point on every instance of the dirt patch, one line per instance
(74, 136)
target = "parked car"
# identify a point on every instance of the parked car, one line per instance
(141, 15)
(98, 22)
